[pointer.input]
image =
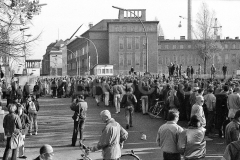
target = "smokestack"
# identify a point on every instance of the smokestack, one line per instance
(189, 29)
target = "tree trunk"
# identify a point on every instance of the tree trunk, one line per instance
(205, 65)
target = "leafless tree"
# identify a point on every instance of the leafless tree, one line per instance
(206, 44)
(15, 16)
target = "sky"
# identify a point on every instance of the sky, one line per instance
(59, 19)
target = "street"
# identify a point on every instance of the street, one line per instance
(56, 126)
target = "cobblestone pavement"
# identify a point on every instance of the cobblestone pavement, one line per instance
(56, 125)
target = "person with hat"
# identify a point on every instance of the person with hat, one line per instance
(112, 138)
(46, 153)
(25, 126)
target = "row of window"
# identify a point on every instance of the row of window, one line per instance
(189, 46)
(127, 43)
(77, 53)
(126, 59)
(186, 59)
(134, 28)
(104, 71)
(73, 66)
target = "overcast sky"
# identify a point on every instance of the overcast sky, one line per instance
(61, 18)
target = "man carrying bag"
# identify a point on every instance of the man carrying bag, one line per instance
(79, 107)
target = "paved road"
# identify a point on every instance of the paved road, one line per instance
(56, 125)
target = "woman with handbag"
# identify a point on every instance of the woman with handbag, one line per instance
(25, 127)
(191, 141)
(12, 125)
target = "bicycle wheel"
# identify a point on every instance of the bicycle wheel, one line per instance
(129, 157)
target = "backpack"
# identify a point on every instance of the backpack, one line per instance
(32, 108)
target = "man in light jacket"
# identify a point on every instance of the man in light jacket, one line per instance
(112, 138)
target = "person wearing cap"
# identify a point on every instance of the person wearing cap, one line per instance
(233, 103)
(112, 138)
(25, 126)
(46, 153)
(232, 132)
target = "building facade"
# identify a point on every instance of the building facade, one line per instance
(52, 60)
(120, 42)
(183, 52)
(33, 67)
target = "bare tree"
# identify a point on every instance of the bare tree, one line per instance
(206, 44)
(15, 15)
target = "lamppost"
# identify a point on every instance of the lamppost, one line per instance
(144, 32)
(88, 48)
(24, 46)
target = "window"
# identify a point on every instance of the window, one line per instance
(144, 42)
(99, 71)
(189, 46)
(174, 46)
(234, 46)
(83, 51)
(124, 29)
(103, 71)
(137, 42)
(226, 58)
(111, 70)
(107, 71)
(181, 46)
(234, 58)
(121, 43)
(159, 59)
(121, 59)
(226, 46)
(73, 65)
(166, 46)
(144, 58)
(116, 29)
(129, 59)
(129, 43)
(137, 58)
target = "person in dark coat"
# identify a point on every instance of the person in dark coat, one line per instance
(11, 124)
(221, 111)
(25, 126)
(181, 98)
(46, 153)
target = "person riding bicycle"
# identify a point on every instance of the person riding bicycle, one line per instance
(112, 138)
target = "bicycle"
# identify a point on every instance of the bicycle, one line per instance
(85, 152)
(155, 110)
(129, 156)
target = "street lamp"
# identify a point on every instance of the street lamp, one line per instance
(93, 45)
(144, 32)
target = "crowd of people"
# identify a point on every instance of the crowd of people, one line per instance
(208, 105)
